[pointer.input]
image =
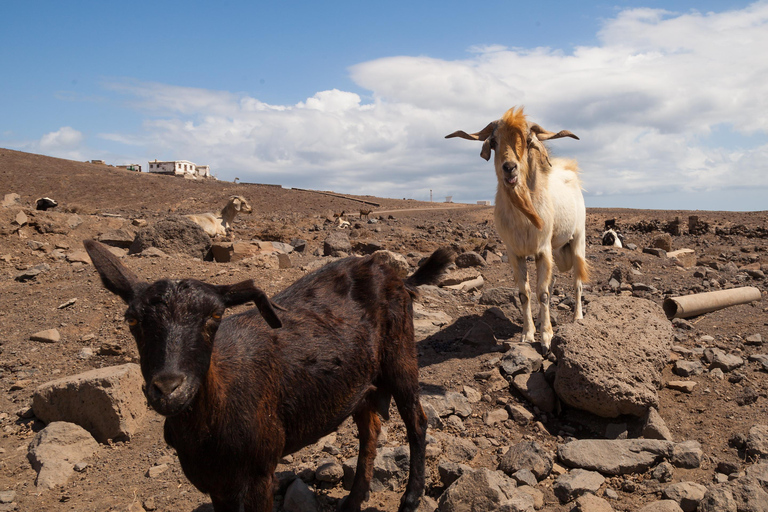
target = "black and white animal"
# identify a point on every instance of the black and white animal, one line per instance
(240, 392)
(611, 237)
(45, 203)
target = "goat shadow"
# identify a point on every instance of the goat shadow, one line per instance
(208, 507)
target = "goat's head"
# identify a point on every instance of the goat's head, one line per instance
(240, 204)
(174, 323)
(519, 154)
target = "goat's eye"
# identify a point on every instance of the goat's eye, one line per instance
(216, 316)
(132, 322)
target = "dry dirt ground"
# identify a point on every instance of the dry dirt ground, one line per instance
(106, 198)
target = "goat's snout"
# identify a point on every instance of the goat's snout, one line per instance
(164, 385)
(510, 173)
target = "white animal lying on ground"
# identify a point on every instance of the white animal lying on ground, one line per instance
(218, 224)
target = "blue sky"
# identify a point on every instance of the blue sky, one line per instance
(669, 98)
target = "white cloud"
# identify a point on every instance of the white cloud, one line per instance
(645, 102)
(65, 138)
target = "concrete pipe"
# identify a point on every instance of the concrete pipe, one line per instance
(700, 303)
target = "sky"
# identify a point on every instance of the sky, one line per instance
(669, 99)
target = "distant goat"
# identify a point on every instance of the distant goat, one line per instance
(45, 203)
(365, 212)
(243, 391)
(539, 211)
(612, 238)
(218, 224)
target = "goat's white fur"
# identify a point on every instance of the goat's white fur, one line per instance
(219, 223)
(539, 212)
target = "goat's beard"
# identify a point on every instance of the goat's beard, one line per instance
(520, 197)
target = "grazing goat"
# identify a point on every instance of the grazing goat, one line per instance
(365, 212)
(243, 391)
(214, 224)
(539, 211)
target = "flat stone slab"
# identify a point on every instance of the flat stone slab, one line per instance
(615, 456)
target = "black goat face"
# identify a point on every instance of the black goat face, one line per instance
(174, 324)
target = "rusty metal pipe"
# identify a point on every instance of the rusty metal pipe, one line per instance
(699, 303)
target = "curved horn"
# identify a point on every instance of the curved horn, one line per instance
(543, 134)
(481, 135)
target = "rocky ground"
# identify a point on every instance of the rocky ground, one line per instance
(493, 404)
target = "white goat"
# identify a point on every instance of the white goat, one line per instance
(218, 224)
(539, 211)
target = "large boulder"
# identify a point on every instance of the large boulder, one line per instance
(173, 235)
(107, 402)
(610, 362)
(484, 490)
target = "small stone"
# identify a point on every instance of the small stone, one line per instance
(495, 416)
(7, 496)
(686, 386)
(519, 414)
(156, 471)
(47, 336)
(663, 472)
(755, 339)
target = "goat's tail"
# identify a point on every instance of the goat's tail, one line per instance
(431, 270)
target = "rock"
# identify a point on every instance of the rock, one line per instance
(661, 253)
(449, 403)
(723, 361)
(757, 442)
(117, 238)
(459, 277)
(718, 499)
(687, 454)
(535, 388)
(337, 244)
(521, 357)
(754, 339)
(331, 472)
(299, 498)
(470, 259)
(469, 285)
(9, 200)
(614, 456)
(500, 297)
(480, 335)
(610, 362)
(490, 418)
(54, 222)
(20, 219)
(390, 469)
(451, 471)
(173, 235)
(47, 336)
(483, 490)
(655, 427)
(575, 483)
(687, 368)
(519, 414)
(426, 323)
(749, 495)
(663, 472)
(56, 449)
(686, 494)
(528, 455)
(78, 257)
(525, 477)
(7, 496)
(31, 273)
(663, 241)
(662, 506)
(157, 470)
(226, 252)
(686, 257)
(686, 386)
(108, 402)
(459, 449)
(591, 503)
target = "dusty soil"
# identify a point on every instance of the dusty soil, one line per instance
(106, 198)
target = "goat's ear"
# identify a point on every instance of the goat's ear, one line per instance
(246, 291)
(485, 151)
(543, 134)
(237, 203)
(115, 276)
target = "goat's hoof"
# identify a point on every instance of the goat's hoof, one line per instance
(527, 338)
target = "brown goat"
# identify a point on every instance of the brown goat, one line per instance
(241, 391)
(539, 211)
(365, 212)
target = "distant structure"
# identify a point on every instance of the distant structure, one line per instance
(448, 199)
(484, 202)
(130, 167)
(101, 162)
(183, 168)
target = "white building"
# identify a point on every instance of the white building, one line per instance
(180, 168)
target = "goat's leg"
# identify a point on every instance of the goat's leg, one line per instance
(368, 427)
(543, 280)
(580, 271)
(409, 407)
(520, 271)
(260, 493)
